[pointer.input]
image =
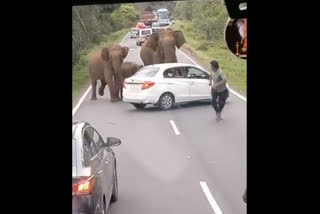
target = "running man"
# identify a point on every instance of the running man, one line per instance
(219, 90)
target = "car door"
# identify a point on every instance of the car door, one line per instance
(92, 159)
(107, 163)
(199, 84)
(176, 82)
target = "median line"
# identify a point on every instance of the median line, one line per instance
(175, 129)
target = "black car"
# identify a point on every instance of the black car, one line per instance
(94, 170)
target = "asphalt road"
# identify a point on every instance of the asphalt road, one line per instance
(159, 171)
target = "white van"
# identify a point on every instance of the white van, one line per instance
(143, 35)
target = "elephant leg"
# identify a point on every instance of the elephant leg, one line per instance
(101, 89)
(94, 87)
(118, 85)
(112, 89)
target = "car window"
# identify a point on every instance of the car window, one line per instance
(174, 73)
(97, 140)
(145, 32)
(147, 72)
(89, 148)
(196, 73)
(163, 24)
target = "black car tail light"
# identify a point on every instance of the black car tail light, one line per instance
(83, 187)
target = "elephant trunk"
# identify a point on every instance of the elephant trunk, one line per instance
(170, 54)
(118, 76)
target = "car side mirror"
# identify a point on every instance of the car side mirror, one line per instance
(112, 141)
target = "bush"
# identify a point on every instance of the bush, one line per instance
(204, 46)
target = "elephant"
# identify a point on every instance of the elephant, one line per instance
(128, 69)
(161, 47)
(105, 65)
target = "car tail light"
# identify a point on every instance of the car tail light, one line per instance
(83, 187)
(147, 85)
(123, 85)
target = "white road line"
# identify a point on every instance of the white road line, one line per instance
(175, 129)
(124, 38)
(232, 91)
(237, 94)
(212, 202)
(74, 110)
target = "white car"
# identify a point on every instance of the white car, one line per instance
(166, 84)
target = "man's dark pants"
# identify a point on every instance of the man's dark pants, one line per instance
(219, 99)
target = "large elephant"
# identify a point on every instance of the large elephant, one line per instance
(128, 69)
(105, 65)
(161, 47)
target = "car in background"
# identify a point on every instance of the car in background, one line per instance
(156, 27)
(164, 22)
(94, 170)
(166, 84)
(143, 35)
(134, 32)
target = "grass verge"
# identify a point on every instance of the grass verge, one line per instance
(80, 74)
(204, 51)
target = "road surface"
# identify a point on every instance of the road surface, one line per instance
(165, 155)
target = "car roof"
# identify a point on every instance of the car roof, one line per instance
(163, 66)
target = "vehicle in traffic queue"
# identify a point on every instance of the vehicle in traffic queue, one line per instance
(156, 27)
(134, 32)
(143, 35)
(94, 170)
(167, 84)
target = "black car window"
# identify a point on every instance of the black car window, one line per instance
(90, 148)
(195, 73)
(174, 73)
(98, 140)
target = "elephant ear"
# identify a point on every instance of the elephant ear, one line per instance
(180, 40)
(153, 41)
(125, 51)
(105, 54)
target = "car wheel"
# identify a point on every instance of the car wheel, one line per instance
(166, 101)
(101, 208)
(139, 105)
(114, 196)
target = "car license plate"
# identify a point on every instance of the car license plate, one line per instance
(135, 87)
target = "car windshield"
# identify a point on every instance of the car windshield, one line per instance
(163, 15)
(145, 32)
(147, 72)
(163, 24)
(155, 24)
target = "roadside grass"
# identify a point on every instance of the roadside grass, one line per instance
(80, 74)
(204, 51)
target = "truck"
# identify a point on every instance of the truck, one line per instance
(163, 16)
(148, 18)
